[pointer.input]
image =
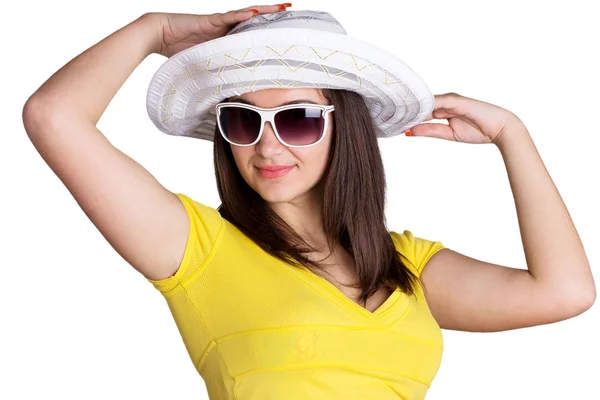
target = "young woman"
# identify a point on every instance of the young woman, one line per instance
(293, 287)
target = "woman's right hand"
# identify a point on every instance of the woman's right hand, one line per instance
(182, 31)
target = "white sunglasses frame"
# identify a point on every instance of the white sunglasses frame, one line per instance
(268, 115)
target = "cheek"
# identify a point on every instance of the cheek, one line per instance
(240, 155)
(314, 162)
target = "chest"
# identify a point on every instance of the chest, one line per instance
(339, 270)
(342, 277)
(242, 290)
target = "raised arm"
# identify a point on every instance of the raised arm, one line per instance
(144, 222)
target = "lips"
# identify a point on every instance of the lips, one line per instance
(274, 167)
(274, 172)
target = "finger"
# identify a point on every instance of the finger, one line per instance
(440, 113)
(236, 16)
(443, 113)
(440, 131)
(445, 106)
(264, 9)
(259, 6)
(452, 104)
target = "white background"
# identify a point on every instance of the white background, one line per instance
(79, 322)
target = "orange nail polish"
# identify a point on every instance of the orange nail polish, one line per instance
(407, 132)
(287, 4)
(254, 10)
(282, 7)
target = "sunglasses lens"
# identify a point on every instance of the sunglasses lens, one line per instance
(300, 126)
(239, 125)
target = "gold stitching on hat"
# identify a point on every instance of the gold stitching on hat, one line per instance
(207, 68)
(276, 52)
(218, 90)
(330, 75)
(242, 59)
(290, 67)
(252, 69)
(173, 91)
(391, 83)
(282, 85)
(198, 101)
(356, 64)
(170, 114)
(385, 78)
(245, 87)
(221, 69)
(323, 58)
(187, 73)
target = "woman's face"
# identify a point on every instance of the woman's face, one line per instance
(308, 163)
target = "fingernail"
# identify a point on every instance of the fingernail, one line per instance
(282, 7)
(254, 10)
(287, 4)
(407, 132)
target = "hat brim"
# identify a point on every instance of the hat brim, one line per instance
(184, 90)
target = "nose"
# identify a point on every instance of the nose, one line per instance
(268, 144)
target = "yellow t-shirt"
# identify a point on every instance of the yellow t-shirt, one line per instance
(258, 328)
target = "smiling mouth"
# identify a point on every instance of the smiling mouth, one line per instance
(275, 173)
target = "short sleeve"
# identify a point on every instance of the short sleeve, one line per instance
(206, 225)
(417, 250)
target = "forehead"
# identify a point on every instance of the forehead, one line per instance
(274, 97)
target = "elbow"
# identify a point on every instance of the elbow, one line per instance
(31, 113)
(590, 296)
(583, 301)
(576, 296)
(36, 115)
(589, 301)
(32, 106)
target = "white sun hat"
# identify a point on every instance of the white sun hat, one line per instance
(286, 50)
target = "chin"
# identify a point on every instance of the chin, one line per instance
(277, 195)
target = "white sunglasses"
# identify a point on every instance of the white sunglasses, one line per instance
(295, 125)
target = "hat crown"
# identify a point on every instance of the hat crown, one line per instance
(304, 19)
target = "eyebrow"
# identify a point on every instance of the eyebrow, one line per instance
(297, 101)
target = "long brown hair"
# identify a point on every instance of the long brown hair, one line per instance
(353, 188)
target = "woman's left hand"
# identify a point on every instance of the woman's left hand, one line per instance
(469, 120)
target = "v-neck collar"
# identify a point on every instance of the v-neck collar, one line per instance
(392, 309)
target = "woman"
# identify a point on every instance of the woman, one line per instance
(294, 288)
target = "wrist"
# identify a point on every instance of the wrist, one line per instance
(152, 23)
(513, 136)
(513, 127)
